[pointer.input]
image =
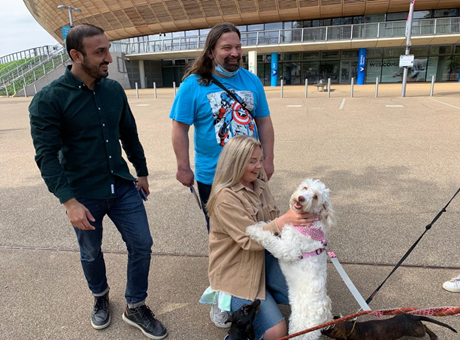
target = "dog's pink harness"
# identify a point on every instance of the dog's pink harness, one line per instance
(316, 234)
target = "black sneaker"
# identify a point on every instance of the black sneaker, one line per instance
(100, 318)
(144, 319)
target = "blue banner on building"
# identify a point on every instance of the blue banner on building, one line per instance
(361, 66)
(65, 30)
(274, 77)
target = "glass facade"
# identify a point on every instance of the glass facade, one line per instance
(442, 62)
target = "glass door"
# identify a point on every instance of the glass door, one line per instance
(347, 71)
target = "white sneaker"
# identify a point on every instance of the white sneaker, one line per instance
(452, 285)
(219, 318)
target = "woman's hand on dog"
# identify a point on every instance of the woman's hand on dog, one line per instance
(295, 218)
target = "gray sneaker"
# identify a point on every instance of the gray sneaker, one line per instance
(218, 317)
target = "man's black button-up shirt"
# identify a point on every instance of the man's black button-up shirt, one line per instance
(77, 132)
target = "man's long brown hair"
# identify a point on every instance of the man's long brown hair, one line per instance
(202, 66)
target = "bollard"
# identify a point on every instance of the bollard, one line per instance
(25, 92)
(306, 88)
(35, 89)
(432, 86)
(352, 86)
(137, 91)
(174, 86)
(376, 87)
(155, 90)
(329, 87)
(6, 90)
(281, 93)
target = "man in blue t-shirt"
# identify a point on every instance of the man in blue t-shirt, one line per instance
(218, 115)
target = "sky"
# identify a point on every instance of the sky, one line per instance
(19, 29)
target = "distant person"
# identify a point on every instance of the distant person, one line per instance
(215, 114)
(77, 123)
(452, 285)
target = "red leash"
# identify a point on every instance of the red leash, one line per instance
(434, 311)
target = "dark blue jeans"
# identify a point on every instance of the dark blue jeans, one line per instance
(204, 190)
(127, 212)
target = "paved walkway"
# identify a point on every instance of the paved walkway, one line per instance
(391, 163)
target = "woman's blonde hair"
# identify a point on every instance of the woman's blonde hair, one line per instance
(231, 165)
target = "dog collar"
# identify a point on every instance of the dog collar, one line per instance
(310, 230)
(316, 234)
(311, 253)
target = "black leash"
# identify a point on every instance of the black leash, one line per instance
(428, 227)
(231, 94)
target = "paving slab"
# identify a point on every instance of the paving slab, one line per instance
(391, 163)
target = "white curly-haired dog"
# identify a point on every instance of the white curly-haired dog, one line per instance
(302, 257)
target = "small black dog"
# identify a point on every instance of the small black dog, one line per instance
(387, 329)
(242, 319)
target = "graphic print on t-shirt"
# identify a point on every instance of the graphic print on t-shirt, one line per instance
(230, 118)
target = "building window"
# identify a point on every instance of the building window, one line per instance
(330, 55)
(310, 56)
(397, 16)
(257, 27)
(393, 52)
(436, 50)
(350, 55)
(442, 13)
(374, 53)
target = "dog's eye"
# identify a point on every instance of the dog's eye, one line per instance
(315, 197)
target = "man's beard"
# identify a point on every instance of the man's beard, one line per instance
(231, 67)
(93, 70)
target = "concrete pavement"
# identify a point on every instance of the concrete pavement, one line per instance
(391, 163)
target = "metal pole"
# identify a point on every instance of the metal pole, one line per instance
(329, 87)
(408, 44)
(155, 90)
(70, 16)
(352, 86)
(25, 92)
(281, 93)
(174, 86)
(432, 85)
(376, 87)
(7, 94)
(35, 89)
(306, 88)
(137, 91)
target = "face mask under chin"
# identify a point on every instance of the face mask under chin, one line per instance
(223, 72)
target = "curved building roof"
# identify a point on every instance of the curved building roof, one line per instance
(131, 18)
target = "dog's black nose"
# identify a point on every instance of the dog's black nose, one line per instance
(301, 199)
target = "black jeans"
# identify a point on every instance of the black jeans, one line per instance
(204, 190)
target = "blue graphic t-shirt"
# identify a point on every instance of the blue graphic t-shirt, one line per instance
(217, 117)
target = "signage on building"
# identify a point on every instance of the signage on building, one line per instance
(406, 60)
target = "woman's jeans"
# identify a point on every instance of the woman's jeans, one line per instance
(127, 212)
(276, 293)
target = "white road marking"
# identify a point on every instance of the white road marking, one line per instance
(342, 104)
(142, 104)
(394, 105)
(456, 107)
(294, 106)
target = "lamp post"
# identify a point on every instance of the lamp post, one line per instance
(70, 12)
(408, 44)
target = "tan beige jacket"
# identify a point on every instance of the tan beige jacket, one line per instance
(236, 263)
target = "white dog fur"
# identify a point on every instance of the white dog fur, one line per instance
(306, 277)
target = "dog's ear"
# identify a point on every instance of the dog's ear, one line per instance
(329, 213)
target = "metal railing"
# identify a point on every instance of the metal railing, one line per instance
(394, 29)
(56, 58)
